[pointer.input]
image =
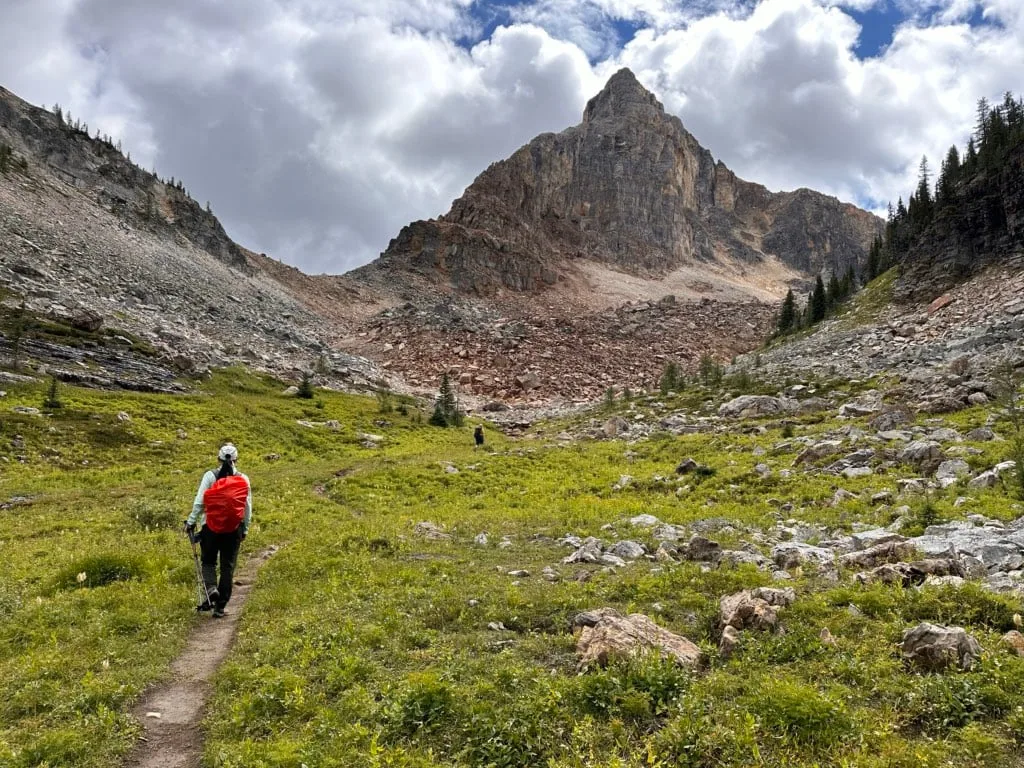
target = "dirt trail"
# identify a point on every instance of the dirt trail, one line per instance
(175, 740)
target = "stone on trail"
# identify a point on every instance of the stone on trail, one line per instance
(614, 636)
(645, 521)
(933, 648)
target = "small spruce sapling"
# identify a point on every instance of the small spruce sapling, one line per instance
(306, 386)
(52, 401)
(609, 398)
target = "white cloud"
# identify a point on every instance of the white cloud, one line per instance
(317, 128)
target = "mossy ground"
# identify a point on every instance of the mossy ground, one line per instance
(359, 645)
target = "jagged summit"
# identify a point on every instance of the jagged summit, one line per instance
(622, 96)
(628, 189)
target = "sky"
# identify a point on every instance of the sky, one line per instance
(316, 129)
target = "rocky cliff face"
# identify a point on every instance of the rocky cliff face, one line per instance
(631, 188)
(119, 185)
(985, 228)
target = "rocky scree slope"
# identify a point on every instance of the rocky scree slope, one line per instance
(88, 238)
(942, 354)
(552, 357)
(629, 188)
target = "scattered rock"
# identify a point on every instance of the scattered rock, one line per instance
(431, 532)
(627, 550)
(613, 636)
(754, 406)
(934, 648)
(1015, 641)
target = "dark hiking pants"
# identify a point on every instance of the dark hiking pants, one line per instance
(224, 546)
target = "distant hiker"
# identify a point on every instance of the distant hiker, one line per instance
(478, 436)
(223, 511)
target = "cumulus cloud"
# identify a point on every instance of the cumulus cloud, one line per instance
(317, 128)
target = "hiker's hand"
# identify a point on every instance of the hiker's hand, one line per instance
(241, 537)
(190, 528)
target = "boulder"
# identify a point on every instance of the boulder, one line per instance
(891, 418)
(753, 406)
(729, 641)
(614, 636)
(887, 552)
(981, 435)
(686, 466)
(628, 550)
(702, 549)
(926, 455)
(933, 648)
(952, 469)
(431, 532)
(615, 426)
(913, 574)
(819, 451)
(589, 551)
(753, 608)
(1015, 641)
(790, 554)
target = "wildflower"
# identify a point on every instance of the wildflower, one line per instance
(81, 577)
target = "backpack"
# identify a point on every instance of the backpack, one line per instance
(225, 503)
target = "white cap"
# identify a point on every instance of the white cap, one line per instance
(228, 451)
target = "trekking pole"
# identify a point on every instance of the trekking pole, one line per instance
(202, 593)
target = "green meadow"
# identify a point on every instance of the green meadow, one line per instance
(364, 643)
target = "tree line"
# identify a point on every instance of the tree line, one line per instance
(999, 130)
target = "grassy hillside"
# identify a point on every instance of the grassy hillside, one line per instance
(366, 644)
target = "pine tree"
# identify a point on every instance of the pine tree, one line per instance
(669, 378)
(306, 386)
(446, 406)
(787, 315)
(871, 269)
(819, 302)
(833, 294)
(945, 190)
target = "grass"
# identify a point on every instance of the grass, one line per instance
(365, 645)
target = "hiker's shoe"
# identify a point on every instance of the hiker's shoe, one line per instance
(219, 612)
(214, 596)
(204, 606)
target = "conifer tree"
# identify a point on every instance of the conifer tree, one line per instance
(818, 303)
(787, 315)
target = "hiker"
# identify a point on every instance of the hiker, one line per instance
(478, 436)
(223, 511)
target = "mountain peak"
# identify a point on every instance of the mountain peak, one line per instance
(622, 95)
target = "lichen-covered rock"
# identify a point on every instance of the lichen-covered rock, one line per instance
(614, 636)
(934, 648)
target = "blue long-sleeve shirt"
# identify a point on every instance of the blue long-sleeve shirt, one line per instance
(199, 508)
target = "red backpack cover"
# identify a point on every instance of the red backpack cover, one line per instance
(225, 503)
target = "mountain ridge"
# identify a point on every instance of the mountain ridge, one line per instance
(630, 188)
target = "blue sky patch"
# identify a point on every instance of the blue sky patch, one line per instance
(876, 28)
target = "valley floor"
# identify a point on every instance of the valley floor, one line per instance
(374, 639)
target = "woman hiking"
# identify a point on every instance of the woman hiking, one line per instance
(223, 511)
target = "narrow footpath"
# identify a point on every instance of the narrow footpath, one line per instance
(171, 713)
